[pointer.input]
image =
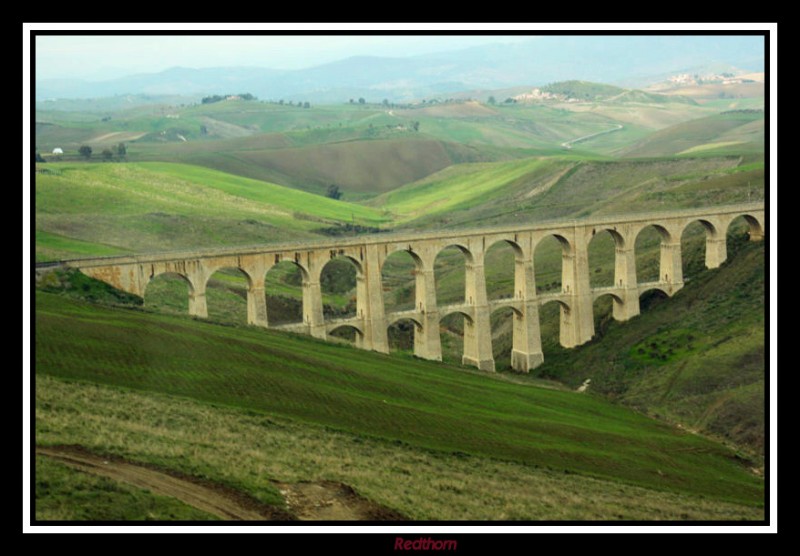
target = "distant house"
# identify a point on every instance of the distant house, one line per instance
(58, 150)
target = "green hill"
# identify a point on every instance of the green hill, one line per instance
(734, 132)
(158, 206)
(423, 404)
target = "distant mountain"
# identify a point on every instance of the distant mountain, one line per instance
(628, 60)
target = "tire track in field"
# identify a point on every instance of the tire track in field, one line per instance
(213, 499)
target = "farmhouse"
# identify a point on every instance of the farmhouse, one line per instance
(58, 150)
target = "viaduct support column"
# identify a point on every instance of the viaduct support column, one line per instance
(376, 335)
(427, 343)
(716, 251)
(257, 306)
(625, 278)
(478, 333)
(197, 294)
(312, 300)
(671, 265)
(526, 352)
(577, 323)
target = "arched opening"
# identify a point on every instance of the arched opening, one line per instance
(652, 298)
(502, 321)
(168, 292)
(694, 246)
(401, 335)
(603, 311)
(551, 314)
(602, 258)
(449, 270)
(548, 264)
(499, 268)
(398, 279)
(740, 230)
(345, 334)
(648, 253)
(338, 281)
(451, 333)
(284, 290)
(226, 296)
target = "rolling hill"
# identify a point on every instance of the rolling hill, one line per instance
(737, 131)
(161, 206)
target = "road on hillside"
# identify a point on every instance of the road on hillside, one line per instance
(568, 144)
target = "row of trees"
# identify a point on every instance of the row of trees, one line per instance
(121, 150)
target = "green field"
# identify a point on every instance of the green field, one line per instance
(158, 206)
(393, 397)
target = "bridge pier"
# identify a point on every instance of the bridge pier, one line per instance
(370, 303)
(427, 343)
(577, 320)
(625, 278)
(312, 308)
(716, 251)
(526, 349)
(257, 306)
(671, 266)
(478, 332)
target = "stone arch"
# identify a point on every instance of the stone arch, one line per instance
(700, 247)
(599, 295)
(399, 271)
(654, 288)
(649, 243)
(445, 312)
(226, 295)
(548, 278)
(755, 226)
(501, 258)
(502, 325)
(401, 336)
(340, 331)
(465, 250)
(168, 273)
(455, 274)
(342, 290)
(283, 287)
(604, 246)
(165, 294)
(212, 270)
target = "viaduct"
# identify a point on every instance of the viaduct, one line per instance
(368, 253)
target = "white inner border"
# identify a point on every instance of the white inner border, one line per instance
(407, 530)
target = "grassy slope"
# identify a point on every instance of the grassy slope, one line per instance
(425, 404)
(156, 206)
(697, 359)
(246, 450)
(735, 132)
(574, 186)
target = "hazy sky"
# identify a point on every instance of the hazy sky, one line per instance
(104, 57)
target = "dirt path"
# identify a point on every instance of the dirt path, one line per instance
(306, 501)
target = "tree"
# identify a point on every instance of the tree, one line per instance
(334, 192)
(85, 151)
(361, 100)
(492, 100)
(107, 154)
(386, 102)
(39, 157)
(415, 125)
(122, 150)
(306, 105)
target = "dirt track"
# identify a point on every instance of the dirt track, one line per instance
(321, 501)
